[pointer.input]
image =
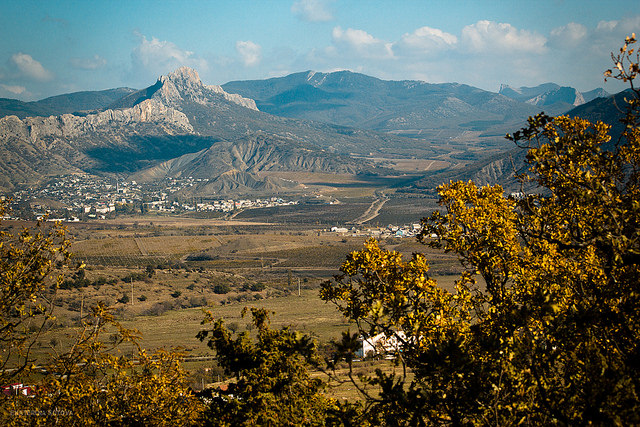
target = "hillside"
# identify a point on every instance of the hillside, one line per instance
(178, 116)
(503, 168)
(76, 102)
(408, 107)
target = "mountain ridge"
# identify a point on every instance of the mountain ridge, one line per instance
(176, 116)
(75, 102)
(351, 99)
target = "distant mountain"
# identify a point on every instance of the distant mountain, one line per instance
(523, 94)
(503, 168)
(595, 93)
(554, 98)
(178, 127)
(77, 102)
(404, 107)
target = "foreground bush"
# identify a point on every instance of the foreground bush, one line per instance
(553, 335)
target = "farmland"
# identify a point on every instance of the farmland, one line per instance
(159, 273)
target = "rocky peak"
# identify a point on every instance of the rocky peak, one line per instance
(183, 77)
(185, 84)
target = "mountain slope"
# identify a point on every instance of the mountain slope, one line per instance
(351, 99)
(63, 104)
(203, 129)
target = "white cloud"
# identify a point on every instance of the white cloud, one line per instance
(16, 90)
(568, 36)
(606, 25)
(88, 63)
(249, 51)
(159, 57)
(30, 68)
(488, 36)
(622, 28)
(425, 40)
(312, 10)
(362, 43)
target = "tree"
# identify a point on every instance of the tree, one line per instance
(28, 283)
(271, 381)
(544, 324)
(92, 381)
(95, 383)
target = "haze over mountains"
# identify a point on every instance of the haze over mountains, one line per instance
(247, 136)
(558, 99)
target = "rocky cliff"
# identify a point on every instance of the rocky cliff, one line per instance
(71, 126)
(183, 86)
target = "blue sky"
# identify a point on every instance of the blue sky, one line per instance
(54, 47)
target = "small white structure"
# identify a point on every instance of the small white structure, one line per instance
(380, 344)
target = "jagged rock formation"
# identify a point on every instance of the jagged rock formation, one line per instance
(70, 126)
(185, 83)
(180, 86)
(36, 147)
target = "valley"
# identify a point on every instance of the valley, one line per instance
(183, 197)
(158, 272)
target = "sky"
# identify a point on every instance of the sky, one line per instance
(53, 47)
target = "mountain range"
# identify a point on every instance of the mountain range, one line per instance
(557, 99)
(402, 107)
(241, 135)
(77, 102)
(178, 116)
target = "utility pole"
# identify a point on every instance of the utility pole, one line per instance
(298, 286)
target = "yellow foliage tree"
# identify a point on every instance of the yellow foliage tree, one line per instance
(28, 283)
(544, 324)
(93, 382)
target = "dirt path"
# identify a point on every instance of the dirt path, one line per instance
(372, 211)
(236, 213)
(141, 248)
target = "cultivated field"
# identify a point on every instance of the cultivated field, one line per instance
(160, 273)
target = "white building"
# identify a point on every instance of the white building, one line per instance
(380, 344)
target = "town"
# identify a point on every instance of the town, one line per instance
(83, 197)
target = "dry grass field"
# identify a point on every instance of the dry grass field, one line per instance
(160, 273)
